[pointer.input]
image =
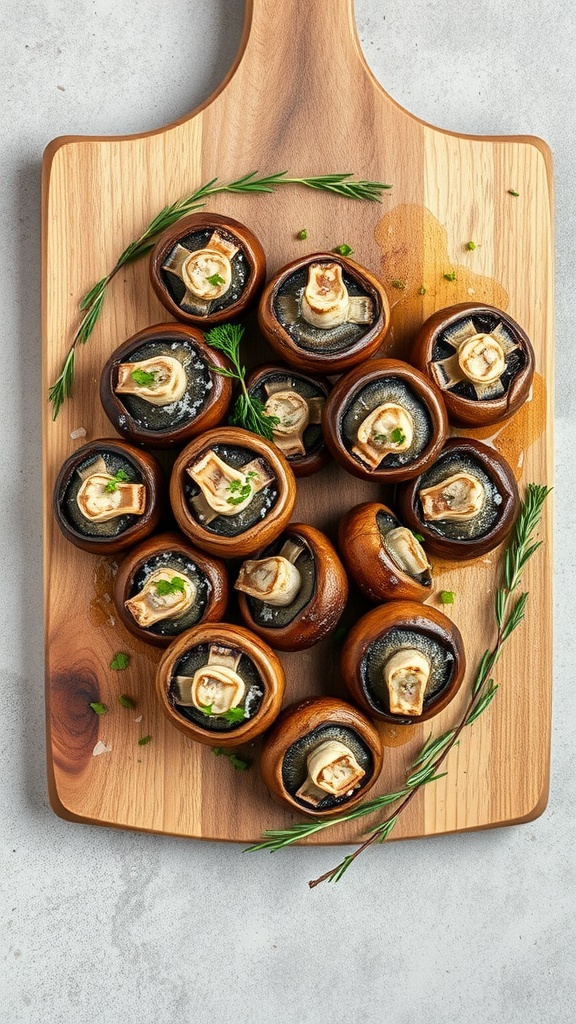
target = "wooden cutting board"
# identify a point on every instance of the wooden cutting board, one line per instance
(301, 98)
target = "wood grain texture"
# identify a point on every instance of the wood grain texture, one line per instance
(271, 114)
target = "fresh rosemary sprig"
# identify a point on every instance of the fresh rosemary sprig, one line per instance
(248, 412)
(91, 305)
(509, 612)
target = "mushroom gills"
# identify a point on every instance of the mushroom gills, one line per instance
(406, 551)
(102, 496)
(225, 490)
(389, 428)
(151, 606)
(480, 359)
(406, 675)
(275, 579)
(165, 380)
(332, 769)
(215, 687)
(459, 497)
(205, 273)
(295, 413)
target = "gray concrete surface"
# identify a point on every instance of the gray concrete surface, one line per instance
(99, 925)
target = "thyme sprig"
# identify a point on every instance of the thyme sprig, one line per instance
(248, 412)
(509, 612)
(91, 305)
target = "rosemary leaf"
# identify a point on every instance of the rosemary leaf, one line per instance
(425, 767)
(91, 303)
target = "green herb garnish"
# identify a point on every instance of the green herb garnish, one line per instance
(144, 740)
(99, 709)
(91, 305)
(146, 378)
(446, 596)
(397, 436)
(422, 290)
(451, 276)
(509, 611)
(248, 412)
(120, 661)
(418, 536)
(239, 763)
(126, 701)
(215, 280)
(302, 235)
(471, 246)
(512, 192)
(399, 285)
(239, 492)
(206, 709)
(118, 478)
(234, 715)
(343, 250)
(173, 586)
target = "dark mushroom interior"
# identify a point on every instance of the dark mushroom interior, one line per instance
(457, 461)
(198, 386)
(377, 392)
(312, 438)
(484, 323)
(115, 463)
(260, 505)
(294, 762)
(197, 657)
(182, 565)
(271, 617)
(440, 657)
(287, 309)
(240, 272)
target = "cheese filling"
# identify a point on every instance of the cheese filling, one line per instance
(482, 359)
(156, 601)
(159, 381)
(332, 769)
(388, 428)
(406, 676)
(459, 497)
(102, 497)
(406, 551)
(325, 297)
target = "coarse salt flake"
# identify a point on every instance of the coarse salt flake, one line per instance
(78, 432)
(101, 748)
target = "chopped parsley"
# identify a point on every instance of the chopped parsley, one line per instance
(98, 709)
(120, 661)
(422, 290)
(118, 478)
(215, 280)
(446, 597)
(302, 235)
(173, 586)
(239, 491)
(343, 250)
(513, 192)
(418, 536)
(146, 378)
(239, 763)
(397, 436)
(471, 246)
(144, 741)
(399, 285)
(126, 701)
(451, 276)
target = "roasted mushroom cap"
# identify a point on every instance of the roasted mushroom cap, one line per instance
(385, 422)
(403, 662)
(231, 491)
(480, 358)
(384, 558)
(161, 387)
(207, 269)
(107, 496)
(465, 504)
(165, 586)
(220, 684)
(294, 592)
(321, 754)
(296, 401)
(324, 312)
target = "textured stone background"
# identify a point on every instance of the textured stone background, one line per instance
(104, 925)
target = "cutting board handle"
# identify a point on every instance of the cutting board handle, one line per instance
(320, 35)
